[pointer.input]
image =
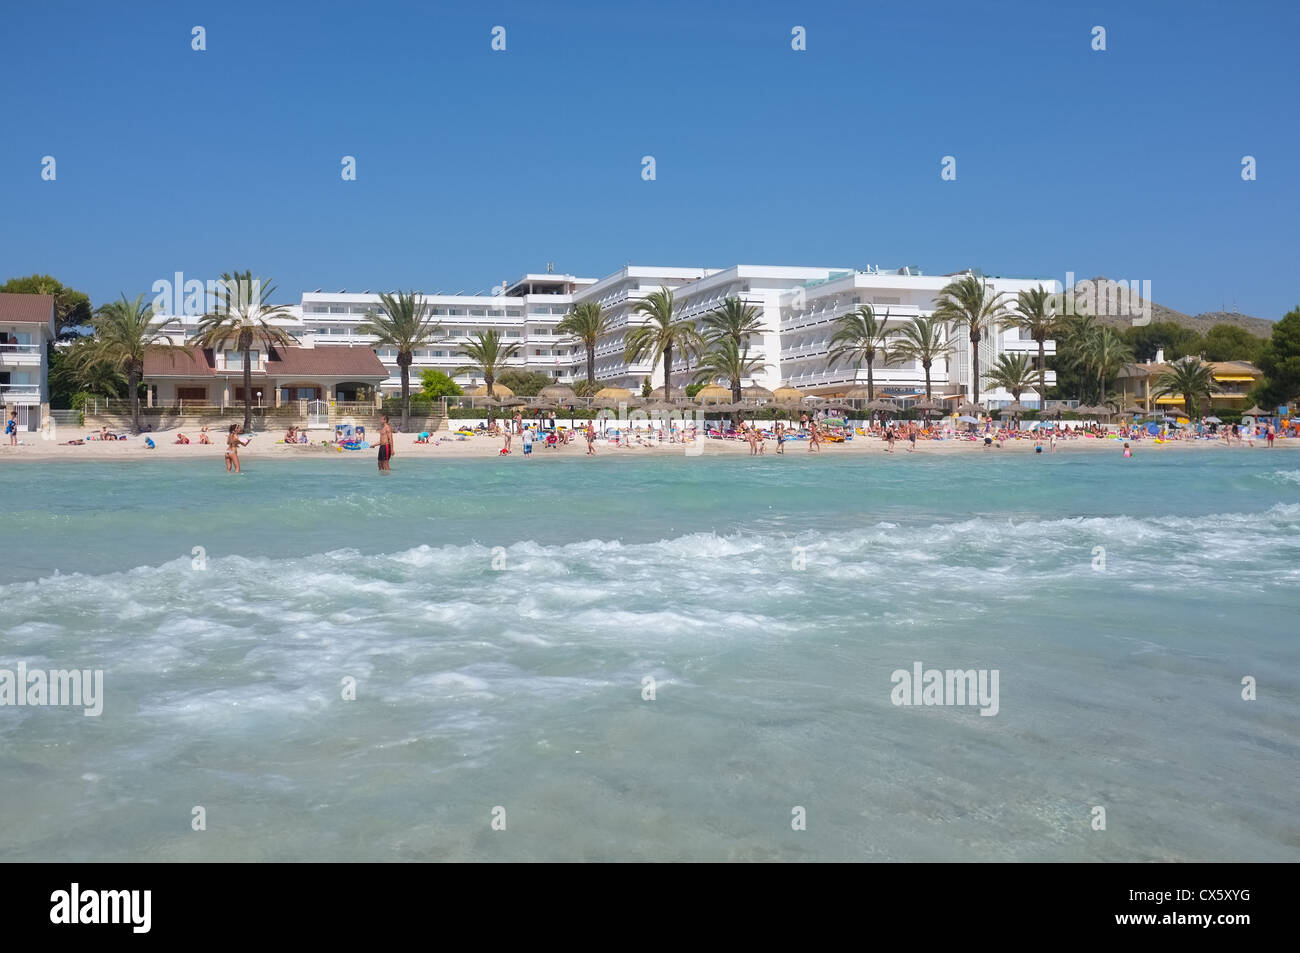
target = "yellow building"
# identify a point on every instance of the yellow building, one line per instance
(1236, 379)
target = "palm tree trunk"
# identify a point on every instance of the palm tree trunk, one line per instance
(668, 373)
(1042, 377)
(735, 390)
(871, 380)
(975, 367)
(926, 365)
(591, 366)
(248, 392)
(133, 382)
(406, 394)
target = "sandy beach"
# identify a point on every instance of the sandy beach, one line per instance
(269, 445)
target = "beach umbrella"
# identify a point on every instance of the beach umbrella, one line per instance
(1133, 409)
(613, 393)
(926, 406)
(787, 394)
(967, 408)
(498, 390)
(606, 403)
(714, 394)
(880, 403)
(513, 402)
(755, 392)
(1256, 411)
(1011, 409)
(1213, 420)
(561, 393)
(967, 419)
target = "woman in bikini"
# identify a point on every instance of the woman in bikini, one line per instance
(232, 449)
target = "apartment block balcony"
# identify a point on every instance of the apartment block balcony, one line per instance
(21, 355)
(21, 394)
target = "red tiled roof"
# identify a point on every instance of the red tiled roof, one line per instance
(26, 309)
(331, 361)
(178, 362)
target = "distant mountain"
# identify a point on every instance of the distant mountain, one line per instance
(1200, 323)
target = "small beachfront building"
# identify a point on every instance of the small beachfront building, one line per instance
(26, 330)
(215, 377)
(1138, 384)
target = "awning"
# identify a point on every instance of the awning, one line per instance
(1244, 378)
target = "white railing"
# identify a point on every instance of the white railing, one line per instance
(20, 393)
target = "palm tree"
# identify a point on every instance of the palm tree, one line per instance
(1014, 372)
(923, 340)
(241, 315)
(1107, 354)
(735, 320)
(664, 334)
(726, 360)
(401, 323)
(862, 338)
(588, 323)
(1189, 377)
(1078, 333)
(489, 358)
(970, 304)
(1035, 313)
(125, 331)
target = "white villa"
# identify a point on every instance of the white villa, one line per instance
(797, 306)
(26, 329)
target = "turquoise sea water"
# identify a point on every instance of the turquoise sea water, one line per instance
(500, 620)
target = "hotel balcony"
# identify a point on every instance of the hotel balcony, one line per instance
(23, 394)
(21, 355)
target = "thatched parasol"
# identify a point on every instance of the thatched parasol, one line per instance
(1012, 409)
(788, 393)
(1256, 411)
(966, 408)
(755, 392)
(561, 393)
(713, 394)
(498, 390)
(880, 403)
(613, 393)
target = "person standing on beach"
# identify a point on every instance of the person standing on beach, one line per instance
(591, 440)
(780, 437)
(11, 428)
(911, 437)
(385, 445)
(814, 439)
(528, 442)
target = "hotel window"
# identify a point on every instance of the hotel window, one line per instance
(439, 353)
(478, 312)
(191, 393)
(442, 311)
(338, 309)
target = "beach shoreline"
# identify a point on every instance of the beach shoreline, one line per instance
(265, 446)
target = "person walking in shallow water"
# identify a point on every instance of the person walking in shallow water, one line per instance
(385, 446)
(233, 443)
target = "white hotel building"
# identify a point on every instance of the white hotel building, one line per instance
(797, 307)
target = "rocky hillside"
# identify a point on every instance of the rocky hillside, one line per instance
(1200, 323)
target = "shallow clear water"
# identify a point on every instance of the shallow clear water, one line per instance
(513, 677)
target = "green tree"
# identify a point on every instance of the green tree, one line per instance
(645, 387)
(524, 383)
(1015, 372)
(1107, 355)
(1190, 378)
(1036, 315)
(862, 338)
(727, 361)
(1279, 359)
(71, 307)
(923, 340)
(971, 305)
(489, 356)
(1174, 339)
(125, 331)
(436, 384)
(663, 333)
(1228, 342)
(404, 323)
(735, 321)
(80, 368)
(588, 323)
(241, 315)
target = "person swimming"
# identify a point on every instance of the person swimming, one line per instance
(1128, 451)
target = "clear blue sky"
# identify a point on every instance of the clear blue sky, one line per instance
(475, 166)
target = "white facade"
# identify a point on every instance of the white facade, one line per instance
(797, 307)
